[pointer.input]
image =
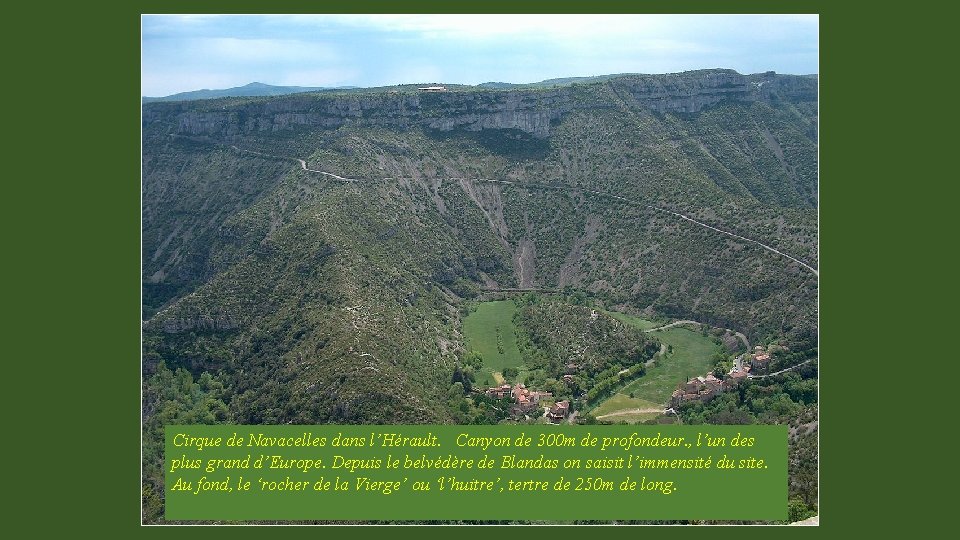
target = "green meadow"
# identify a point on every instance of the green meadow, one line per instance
(620, 402)
(691, 355)
(637, 322)
(490, 330)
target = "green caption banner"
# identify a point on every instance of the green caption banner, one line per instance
(476, 472)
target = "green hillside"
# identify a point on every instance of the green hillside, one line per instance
(275, 294)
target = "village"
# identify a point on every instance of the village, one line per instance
(705, 388)
(526, 402)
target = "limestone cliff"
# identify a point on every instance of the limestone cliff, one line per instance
(530, 109)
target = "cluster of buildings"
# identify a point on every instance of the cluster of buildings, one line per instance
(697, 389)
(526, 401)
(705, 388)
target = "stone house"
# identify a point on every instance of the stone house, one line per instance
(558, 411)
(760, 359)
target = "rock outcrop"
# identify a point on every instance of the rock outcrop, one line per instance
(221, 322)
(531, 110)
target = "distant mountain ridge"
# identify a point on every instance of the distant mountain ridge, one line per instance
(257, 89)
(530, 109)
(253, 89)
(563, 81)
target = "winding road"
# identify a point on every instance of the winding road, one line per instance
(303, 166)
(781, 371)
(744, 238)
(674, 323)
(740, 335)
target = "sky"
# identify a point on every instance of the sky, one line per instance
(191, 52)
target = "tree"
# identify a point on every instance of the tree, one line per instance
(463, 377)
(468, 379)
(474, 359)
(171, 398)
(797, 510)
(455, 394)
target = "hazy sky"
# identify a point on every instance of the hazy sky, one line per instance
(190, 52)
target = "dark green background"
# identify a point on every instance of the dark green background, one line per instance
(71, 230)
(713, 493)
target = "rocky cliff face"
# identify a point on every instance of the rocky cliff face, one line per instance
(688, 92)
(530, 110)
(221, 321)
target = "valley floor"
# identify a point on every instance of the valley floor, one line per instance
(647, 396)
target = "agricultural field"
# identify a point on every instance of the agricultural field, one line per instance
(490, 331)
(621, 402)
(691, 354)
(630, 417)
(636, 322)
